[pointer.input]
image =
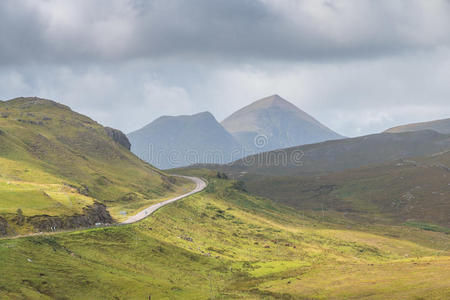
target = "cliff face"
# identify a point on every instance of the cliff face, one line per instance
(118, 136)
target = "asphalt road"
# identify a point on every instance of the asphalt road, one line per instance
(200, 185)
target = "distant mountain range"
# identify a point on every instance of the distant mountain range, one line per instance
(267, 124)
(270, 124)
(442, 126)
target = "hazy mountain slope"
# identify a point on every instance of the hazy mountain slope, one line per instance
(170, 142)
(54, 161)
(343, 154)
(273, 123)
(442, 126)
(414, 190)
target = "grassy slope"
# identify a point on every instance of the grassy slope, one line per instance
(55, 161)
(405, 191)
(224, 243)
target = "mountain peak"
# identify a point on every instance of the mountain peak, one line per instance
(205, 114)
(198, 117)
(272, 101)
(281, 123)
(31, 101)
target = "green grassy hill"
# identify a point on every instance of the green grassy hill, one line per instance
(55, 162)
(224, 243)
(415, 191)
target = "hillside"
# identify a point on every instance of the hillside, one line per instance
(274, 123)
(415, 191)
(62, 169)
(344, 154)
(442, 126)
(225, 243)
(170, 142)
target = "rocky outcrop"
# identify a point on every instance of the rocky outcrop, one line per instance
(3, 226)
(96, 213)
(118, 137)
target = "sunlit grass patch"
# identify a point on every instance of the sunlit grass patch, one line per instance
(260, 269)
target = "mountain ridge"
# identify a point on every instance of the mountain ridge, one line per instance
(441, 126)
(339, 155)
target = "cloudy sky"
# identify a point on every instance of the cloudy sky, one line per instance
(357, 66)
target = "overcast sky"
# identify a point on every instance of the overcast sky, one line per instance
(358, 66)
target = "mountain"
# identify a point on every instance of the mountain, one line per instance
(344, 154)
(442, 126)
(62, 169)
(175, 141)
(274, 123)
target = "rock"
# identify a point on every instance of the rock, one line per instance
(186, 238)
(96, 213)
(118, 136)
(3, 226)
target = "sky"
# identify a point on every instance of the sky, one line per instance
(358, 66)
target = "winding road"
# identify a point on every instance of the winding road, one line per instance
(200, 185)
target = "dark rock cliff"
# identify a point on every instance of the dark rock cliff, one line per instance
(118, 136)
(96, 213)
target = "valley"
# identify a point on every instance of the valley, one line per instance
(224, 150)
(225, 243)
(81, 217)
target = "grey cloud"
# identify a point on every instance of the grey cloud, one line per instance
(55, 31)
(358, 66)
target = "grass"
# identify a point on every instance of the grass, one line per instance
(35, 198)
(430, 227)
(418, 279)
(228, 244)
